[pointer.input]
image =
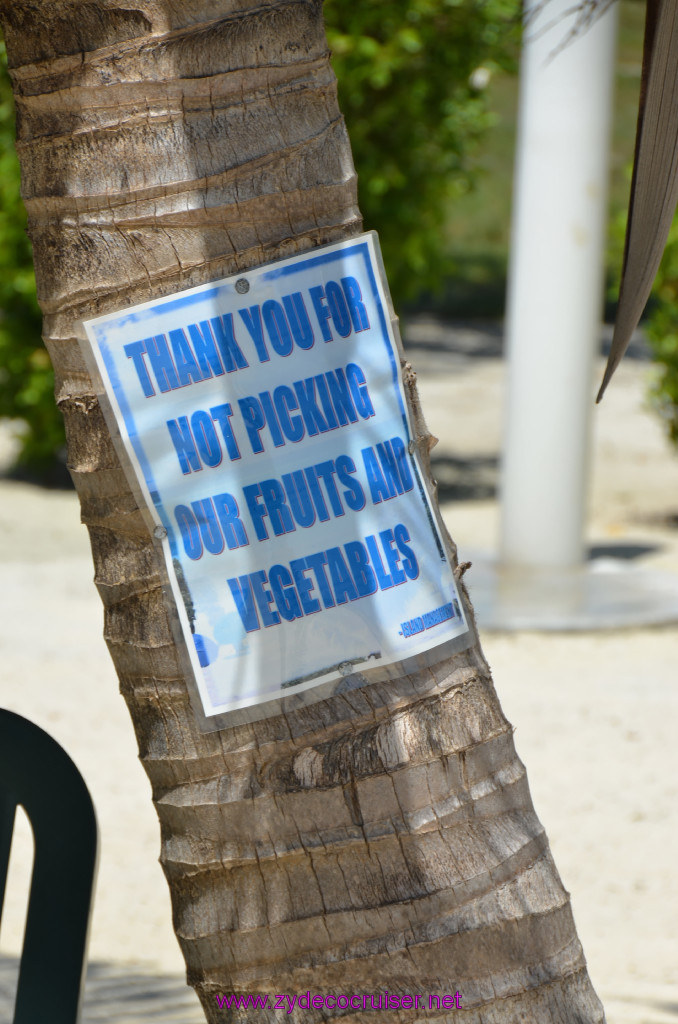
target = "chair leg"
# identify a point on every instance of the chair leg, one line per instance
(46, 783)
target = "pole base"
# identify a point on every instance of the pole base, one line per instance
(602, 594)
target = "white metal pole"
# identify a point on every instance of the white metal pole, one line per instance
(555, 281)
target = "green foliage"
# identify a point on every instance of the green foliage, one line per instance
(26, 378)
(661, 328)
(659, 322)
(406, 88)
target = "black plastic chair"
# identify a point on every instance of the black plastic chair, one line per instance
(37, 774)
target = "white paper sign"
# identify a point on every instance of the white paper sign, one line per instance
(265, 420)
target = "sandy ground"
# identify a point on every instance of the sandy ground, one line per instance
(595, 713)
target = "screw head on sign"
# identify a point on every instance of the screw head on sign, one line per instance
(160, 532)
(242, 286)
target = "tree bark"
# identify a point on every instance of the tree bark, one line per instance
(381, 839)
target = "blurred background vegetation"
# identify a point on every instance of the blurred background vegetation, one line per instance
(429, 91)
(26, 381)
(413, 78)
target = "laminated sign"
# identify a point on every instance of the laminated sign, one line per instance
(264, 421)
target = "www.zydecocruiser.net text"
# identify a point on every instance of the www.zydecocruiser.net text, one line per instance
(358, 1001)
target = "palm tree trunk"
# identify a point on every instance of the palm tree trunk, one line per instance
(381, 839)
